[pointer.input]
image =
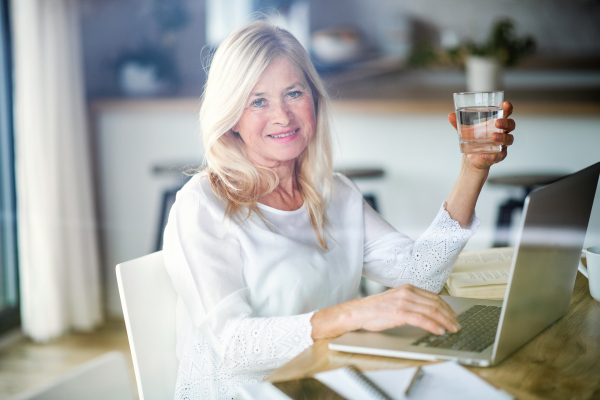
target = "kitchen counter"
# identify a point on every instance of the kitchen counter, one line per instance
(389, 89)
(394, 89)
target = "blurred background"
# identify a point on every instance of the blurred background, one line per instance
(171, 34)
(105, 96)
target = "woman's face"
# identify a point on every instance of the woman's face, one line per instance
(279, 118)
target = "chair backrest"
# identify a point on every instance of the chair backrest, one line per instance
(104, 377)
(148, 300)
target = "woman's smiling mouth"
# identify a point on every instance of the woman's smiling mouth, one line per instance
(285, 134)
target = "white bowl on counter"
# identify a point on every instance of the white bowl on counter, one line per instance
(335, 46)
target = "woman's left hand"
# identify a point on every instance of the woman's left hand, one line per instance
(484, 161)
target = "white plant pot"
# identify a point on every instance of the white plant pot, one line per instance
(484, 74)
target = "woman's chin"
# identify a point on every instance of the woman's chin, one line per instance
(284, 156)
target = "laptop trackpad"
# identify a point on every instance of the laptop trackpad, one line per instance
(406, 331)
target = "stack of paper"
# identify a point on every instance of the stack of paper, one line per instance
(446, 380)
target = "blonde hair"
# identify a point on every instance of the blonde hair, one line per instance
(235, 69)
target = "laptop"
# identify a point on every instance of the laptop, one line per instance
(540, 284)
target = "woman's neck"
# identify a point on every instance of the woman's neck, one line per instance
(286, 196)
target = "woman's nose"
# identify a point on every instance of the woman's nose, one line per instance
(281, 114)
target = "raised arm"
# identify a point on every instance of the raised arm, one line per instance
(474, 170)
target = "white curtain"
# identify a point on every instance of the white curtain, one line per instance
(58, 251)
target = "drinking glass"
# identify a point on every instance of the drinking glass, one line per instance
(476, 115)
(592, 272)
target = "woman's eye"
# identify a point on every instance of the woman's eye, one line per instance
(295, 94)
(258, 103)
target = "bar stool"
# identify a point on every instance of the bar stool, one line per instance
(527, 182)
(364, 173)
(180, 173)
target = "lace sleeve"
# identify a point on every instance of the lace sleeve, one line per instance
(256, 344)
(393, 259)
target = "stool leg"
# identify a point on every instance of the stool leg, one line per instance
(372, 200)
(166, 204)
(504, 220)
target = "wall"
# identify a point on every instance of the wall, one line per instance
(562, 28)
(110, 28)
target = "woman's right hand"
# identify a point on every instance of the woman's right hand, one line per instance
(404, 305)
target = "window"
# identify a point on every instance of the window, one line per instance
(9, 281)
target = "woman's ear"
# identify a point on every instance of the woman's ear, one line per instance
(234, 131)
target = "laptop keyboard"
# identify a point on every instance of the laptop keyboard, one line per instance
(479, 324)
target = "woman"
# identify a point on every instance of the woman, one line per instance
(266, 246)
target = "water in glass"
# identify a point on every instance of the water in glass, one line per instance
(476, 125)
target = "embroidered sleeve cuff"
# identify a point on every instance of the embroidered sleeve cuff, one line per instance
(444, 217)
(266, 343)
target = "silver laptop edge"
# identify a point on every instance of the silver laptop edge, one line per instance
(540, 283)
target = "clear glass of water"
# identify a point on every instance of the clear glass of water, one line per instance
(476, 115)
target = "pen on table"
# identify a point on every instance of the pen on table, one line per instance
(413, 382)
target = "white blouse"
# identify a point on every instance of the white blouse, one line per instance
(248, 289)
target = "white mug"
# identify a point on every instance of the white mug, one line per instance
(592, 272)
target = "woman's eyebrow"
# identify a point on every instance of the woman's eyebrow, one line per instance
(293, 86)
(258, 94)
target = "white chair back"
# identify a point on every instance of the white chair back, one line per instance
(104, 377)
(148, 300)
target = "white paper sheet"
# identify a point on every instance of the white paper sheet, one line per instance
(484, 260)
(445, 380)
(479, 278)
(450, 381)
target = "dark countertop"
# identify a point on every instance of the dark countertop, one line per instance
(438, 85)
(388, 88)
(534, 89)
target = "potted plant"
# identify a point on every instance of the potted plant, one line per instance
(484, 62)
